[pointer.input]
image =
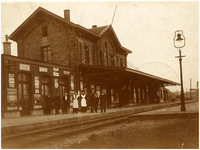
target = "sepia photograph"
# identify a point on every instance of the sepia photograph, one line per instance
(99, 74)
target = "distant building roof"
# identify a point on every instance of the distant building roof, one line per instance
(98, 30)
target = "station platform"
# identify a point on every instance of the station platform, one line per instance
(14, 126)
(192, 112)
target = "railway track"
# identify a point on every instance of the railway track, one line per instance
(30, 139)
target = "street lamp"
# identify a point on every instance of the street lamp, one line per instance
(179, 42)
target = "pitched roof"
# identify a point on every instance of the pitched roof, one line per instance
(98, 32)
(101, 30)
(40, 9)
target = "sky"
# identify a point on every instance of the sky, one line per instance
(146, 28)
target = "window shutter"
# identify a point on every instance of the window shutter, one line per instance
(115, 61)
(105, 59)
(49, 53)
(124, 63)
(83, 53)
(108, 59)
(101, 58)
(80, 52)
(90, 56)
(45, 54)
(118, 61)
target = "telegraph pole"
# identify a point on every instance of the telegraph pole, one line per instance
(114, 14)
(179, 42)
(181, 76)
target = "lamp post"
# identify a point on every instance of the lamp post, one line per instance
(179, 42)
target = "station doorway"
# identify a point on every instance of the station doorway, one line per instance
(24, 93)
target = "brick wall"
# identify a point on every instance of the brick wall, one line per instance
(64, 44)
(61, 39)
(109, 45)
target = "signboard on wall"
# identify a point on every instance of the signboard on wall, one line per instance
(43, 69)
(56, 72)
(11, 80)
(37, 97)
(38, 101)
(37, 106)
(12, 108)
(66, 72)
(56, 83)
(24, 67)
(55, 69)
(37, 84)
(11, 65)
(12, 97)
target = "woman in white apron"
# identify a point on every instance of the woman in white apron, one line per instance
(75, 103)
(83, 103)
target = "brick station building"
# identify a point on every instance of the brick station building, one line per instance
(58, 56)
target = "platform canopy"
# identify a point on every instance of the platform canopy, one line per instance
(121, 75)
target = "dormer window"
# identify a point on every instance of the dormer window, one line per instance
(44, 31)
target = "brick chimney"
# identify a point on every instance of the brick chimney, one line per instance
(67, 14)
(94, 26)
(7, 47)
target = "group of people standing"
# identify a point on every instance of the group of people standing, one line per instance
(91, 102)
(80, 102)
(94, 101)
(49, 102)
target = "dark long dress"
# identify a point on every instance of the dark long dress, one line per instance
(103, 100)
(57, 104)
(48, 104)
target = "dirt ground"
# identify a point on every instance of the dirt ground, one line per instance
(148, 134)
